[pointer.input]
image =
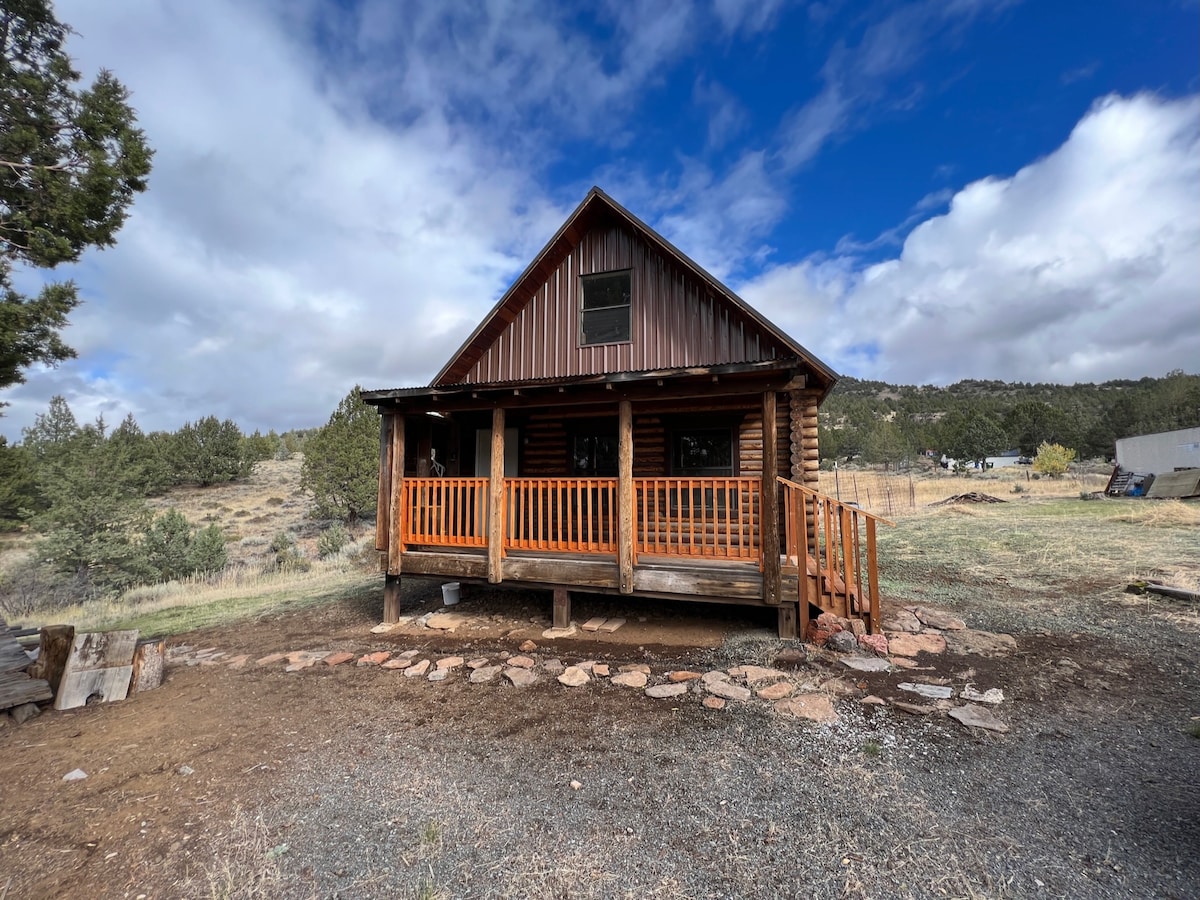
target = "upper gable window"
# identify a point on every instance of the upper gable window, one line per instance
(606, 308)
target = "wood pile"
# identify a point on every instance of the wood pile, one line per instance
(971, 497)
(16, 686)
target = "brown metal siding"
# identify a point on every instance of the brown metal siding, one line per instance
(675, 321)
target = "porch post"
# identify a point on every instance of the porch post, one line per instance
(496, 500)
(383, 501)
(769, 527)
(625, 495)
(395, 544)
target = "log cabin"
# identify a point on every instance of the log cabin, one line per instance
(621, 422)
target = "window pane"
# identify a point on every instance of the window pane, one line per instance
(594, 456)
(707, 452)
(606, 326)
(609, 289)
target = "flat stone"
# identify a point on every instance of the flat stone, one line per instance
(904, 644)
(865, 663)
(478, 663)
(75, 775)
(611, 625)
(728, 690)
(450, 662)
(527, 647)
(791, 658)
(574, 677)
(587, 665)
(713, 703)
(980, 643)
(974, 716)
(271, 659)
(576, 785)
(521, 662)
(409, 654)
(374, 659)
(439, 675)
(930, 691)
(336, 659)
(872, 700)
(714, 676)
(902, 620)
(840, 687)
(553, 666)
(665, 691)
(398, 663)
(876, 643)
(913, 709)
(991, 695)
(758, 674)
(776, 691)
(737, 671)
(239, 662)
(936, 618)
(446, 621)
(300, 664)
(904, 662)
(416, 670)
(484, 674)
(815, 707)
(635, 667)
(631, 679)
(600, 670)
(383, 628)
(682, 675)
(552, 633)
(26, 711)
(594, 623)
(520, 677)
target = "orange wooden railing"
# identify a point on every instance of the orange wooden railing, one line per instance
(833, 544)
(561, 514)
(448, 512)
(713, 517)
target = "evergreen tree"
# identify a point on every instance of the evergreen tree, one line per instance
(341, 462)
(972, 438)
(19, 497)
(71, 161)
(51, 430)
(208, 554)
(145, 467)
(168, 545)
(209, 452)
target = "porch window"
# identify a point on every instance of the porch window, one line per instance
(606, 308)
(594, 455)
(700, 453)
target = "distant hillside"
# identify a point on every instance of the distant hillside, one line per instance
(880, 422)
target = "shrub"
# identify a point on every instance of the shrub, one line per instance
(30, 587)
(332, 540)
(1053, 459)
(208, 553)
(281, 542)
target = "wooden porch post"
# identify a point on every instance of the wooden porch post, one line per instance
(395, 543)
(625, 496)
(383, 502)
(769, 527)
(496, 500)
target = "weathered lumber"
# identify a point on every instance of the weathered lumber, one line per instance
(16, 686)
(769, 523)
(148, 663)
(396, 517)
(1163, 590)
(562, 608)
(55, 647)
(100, 664)
(383, 502)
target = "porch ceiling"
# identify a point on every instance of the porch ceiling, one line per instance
(603, 389)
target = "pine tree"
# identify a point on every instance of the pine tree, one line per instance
(71, 161)
(341, 462)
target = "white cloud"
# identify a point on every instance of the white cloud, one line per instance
(1083, 266)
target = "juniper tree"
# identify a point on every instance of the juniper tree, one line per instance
(341, 462)
(71, 162)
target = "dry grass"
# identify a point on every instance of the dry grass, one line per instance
(900, 494)
(246, 862)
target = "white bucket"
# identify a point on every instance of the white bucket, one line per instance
(450, 593)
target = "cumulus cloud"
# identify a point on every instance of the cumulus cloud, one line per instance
(1082, 266)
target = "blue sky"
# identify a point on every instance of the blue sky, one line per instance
(919, 192)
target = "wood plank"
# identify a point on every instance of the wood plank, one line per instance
(391, 598)
(454, 565)
(787, 621)
(398, 513)
(109, 684)
(596, 573)
(495, 572)
(17, 689)
(53, 650)
(691, 581)
(100, 664)
(769, 519)
(625, 521)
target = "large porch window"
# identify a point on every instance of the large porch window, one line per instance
(594, 455)
(703, 453)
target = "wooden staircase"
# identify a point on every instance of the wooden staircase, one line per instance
(833, 545)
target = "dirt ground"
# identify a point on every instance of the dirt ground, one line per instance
(355, 781)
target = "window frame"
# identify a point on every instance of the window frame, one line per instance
(584, 309)
(594, 430)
